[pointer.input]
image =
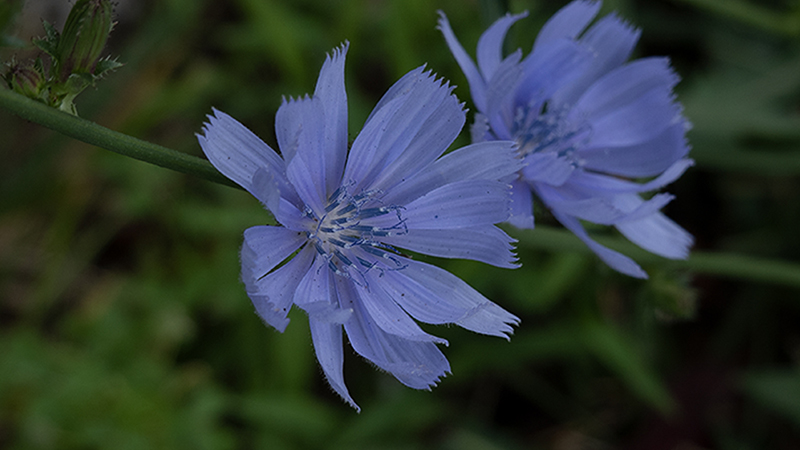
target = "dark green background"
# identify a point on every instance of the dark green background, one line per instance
(123, 324)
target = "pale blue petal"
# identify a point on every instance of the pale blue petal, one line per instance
(553, 66)
(626, 85)
(307, 171)
(612, 41)
(365, 152)
(521, 207)
(238, 153)
(480, 131)
(547, 167)
(487, 244)
(457, 205)
(568, 22)
(327, 339)
(399, 89)
(637, 122)
(391, 129)
(658, 234)
(616, 260)
(494, 160)
(288, 124)
(316, 294)
(266, 246)
(417, 364)
(406, 133)
(273, 294)
(490, 45)
(384, 312)
(599, 209)
(593, 182)
(433, 295)
(440, 129)
(477, 85)
(500, 95)
(639, 160)
(330, 90)
(282, 201)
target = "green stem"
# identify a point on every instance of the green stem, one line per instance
(730, 265)
(94, 134)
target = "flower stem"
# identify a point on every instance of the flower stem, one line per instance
(723, 264)
(94, 134)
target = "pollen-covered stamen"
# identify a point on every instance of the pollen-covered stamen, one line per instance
(344, 225)
(539, 130)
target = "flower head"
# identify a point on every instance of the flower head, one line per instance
(344, 215)
(588, 124)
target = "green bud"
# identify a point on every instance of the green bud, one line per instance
(26, 79)
(84, 37)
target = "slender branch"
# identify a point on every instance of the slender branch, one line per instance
(94, 134)
(730, 265)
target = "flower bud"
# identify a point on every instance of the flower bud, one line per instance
(25, 79)
(84, 37)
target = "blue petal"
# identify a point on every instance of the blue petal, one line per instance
(316, 294)
(306, 170)
(606, 210)
(433, 295)
(655, 232)
(499, 94)
(548, 167)
(384, 312)
(487, 244)
(330, 90)
(327, 339)
(417, 364)
(477, 85)
(490, 45)
(441, 126)
(495, 160)
(266, 246)
(366, 147)
(637, 122)
(238, 153)
(425, 104)
(480, 132)
(568, 22)
(273, 294)
(283, 201)
(639, 160)
(626, 85)
(594, 182)
(553, 66)
(461, 204)
(612, 41)
(616, 260)
(521, 207)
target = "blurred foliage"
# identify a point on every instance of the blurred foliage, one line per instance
(123, 323)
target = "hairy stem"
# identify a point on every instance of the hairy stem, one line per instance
(92, 133)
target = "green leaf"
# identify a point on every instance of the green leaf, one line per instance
(618, 352)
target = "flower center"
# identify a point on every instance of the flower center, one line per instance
(539, 130)
(348, 233)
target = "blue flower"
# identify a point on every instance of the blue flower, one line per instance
(344, 216)
(589, 125)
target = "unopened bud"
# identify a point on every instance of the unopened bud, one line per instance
(25, 79)
(84, 37)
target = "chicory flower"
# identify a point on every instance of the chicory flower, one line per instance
(344, 216)
(595, 130)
